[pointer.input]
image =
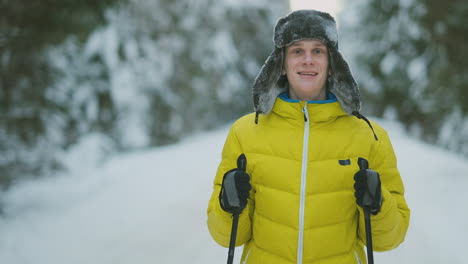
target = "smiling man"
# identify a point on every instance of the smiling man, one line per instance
(295, 174)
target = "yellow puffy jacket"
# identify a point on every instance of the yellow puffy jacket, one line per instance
(302, 159)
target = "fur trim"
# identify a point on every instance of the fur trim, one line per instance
(300, 25)
(306, 24)
(266, 87)
(342, 83)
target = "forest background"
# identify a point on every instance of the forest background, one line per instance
(127, 75)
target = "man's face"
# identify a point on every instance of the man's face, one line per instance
(306, 67)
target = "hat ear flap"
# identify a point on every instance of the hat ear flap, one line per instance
(342, 83)
(265, 88)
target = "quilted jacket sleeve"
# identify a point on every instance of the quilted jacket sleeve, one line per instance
(389, 226)
(219, 221)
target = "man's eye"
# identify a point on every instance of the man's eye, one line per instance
(317, 51)
(298, 51)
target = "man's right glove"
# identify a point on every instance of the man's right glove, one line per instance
(367, 186)
(235, 188)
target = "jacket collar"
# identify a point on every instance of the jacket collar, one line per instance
(319, 111)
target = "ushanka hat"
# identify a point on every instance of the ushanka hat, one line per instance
(301, 25)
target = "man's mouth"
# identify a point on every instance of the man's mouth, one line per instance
(308, 73)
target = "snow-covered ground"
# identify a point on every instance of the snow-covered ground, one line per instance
(150, 207)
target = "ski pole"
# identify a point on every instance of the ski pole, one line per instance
(372, 181)
(370, 252)
(231, 194)
(232, 243)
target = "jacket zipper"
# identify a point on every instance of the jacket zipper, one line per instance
(305, 148)
(357, 257)
(247, 256)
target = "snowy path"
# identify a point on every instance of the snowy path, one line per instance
(150, 207)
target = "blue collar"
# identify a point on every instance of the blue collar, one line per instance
(331, 98)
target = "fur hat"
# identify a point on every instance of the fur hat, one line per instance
(300, 25)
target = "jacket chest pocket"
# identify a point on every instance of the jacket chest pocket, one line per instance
(332, 175)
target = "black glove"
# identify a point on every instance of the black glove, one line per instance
(367, 186)
(235, 188)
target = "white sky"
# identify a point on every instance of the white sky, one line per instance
(330, 6)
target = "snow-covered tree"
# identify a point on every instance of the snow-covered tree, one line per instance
(175, 67)
(27, 30)
(154, 72)
(409, 58)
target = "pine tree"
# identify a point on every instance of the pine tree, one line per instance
(27, 29)
(137, 73)
(188, 64)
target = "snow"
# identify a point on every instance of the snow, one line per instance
(389, 62)
(417, 69)
(150, 207)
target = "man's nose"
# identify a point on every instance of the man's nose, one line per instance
(308, 58)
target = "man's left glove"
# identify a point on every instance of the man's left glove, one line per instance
(367, 186)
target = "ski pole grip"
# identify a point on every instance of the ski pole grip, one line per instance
(242, 162)
(372, 182)
(363, 164)
(229, 184)
(373, 186)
